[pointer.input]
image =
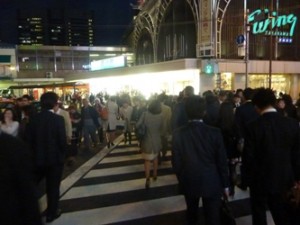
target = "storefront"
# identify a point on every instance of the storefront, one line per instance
(169, 77)
(265, 34)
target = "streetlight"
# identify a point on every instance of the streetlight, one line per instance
(246, 35)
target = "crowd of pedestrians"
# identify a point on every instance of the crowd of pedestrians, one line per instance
(209, 137)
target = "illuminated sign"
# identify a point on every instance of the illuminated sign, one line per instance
(110, 63)
(271, 24)
(209, 67)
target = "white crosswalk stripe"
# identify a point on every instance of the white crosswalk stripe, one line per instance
(117, 164)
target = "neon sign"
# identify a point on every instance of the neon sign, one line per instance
(270, 25)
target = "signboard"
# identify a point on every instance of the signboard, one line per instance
(206, 48)
(109, 63)
(271, 24)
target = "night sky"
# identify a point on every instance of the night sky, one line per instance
(112, 17)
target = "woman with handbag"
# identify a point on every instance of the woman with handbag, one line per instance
(151, 142)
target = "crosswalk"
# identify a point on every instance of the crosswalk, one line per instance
(110, 189)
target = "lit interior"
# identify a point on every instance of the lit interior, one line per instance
(148, 84)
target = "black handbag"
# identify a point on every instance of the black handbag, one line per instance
(141, 130)
(226, 216)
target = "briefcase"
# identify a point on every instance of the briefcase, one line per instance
(226, 217)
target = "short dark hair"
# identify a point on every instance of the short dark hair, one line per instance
(264, 97)
(154, 107)
(188, 91)
(195, 107)
(48, 100)
(162, 97)
(248, 93)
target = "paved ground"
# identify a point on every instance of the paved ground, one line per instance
(109, 188)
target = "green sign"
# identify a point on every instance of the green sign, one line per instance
(209, 69)
(5, 58)
(273, 24)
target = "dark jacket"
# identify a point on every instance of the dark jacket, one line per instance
(93, 114)
(18, 194)
(46, 136)
(271, 155)
(243, 115)
(199, 160)
(179, 116)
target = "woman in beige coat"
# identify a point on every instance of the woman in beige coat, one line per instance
(151, 143)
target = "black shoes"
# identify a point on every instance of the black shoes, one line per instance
(49, 219)
(147, 184)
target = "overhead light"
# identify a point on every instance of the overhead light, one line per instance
(94, 55)
(110, 54)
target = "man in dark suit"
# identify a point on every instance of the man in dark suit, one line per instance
(243, 115)
(246, 112)
(18, 194)
(179, 117)
(200, 163)
(271, 159)
(46, 135)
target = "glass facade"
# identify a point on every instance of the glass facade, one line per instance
(55, 59)
(260, 45)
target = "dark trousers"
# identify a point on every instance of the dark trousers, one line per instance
(164, 143)
(52, 175)
(101, 134)
(276, 205)
(211, 210)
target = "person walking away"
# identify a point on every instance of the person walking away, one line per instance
(179, 117)
(139, 107)
(200, 164)
(46, 136)
(126, 112)
(166, 130)
(230, 137)
(243, 115)
(76, 133)
(151, 143)
(18, 192)
(90, 124)
(113, 115)
(102, 117)
(271, 160)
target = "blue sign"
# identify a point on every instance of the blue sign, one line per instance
(240, 39)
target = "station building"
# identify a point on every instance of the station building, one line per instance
(237, 43)
(209, 44)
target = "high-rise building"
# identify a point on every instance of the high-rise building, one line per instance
(31, 27)
(80, 31)
(55, 27)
